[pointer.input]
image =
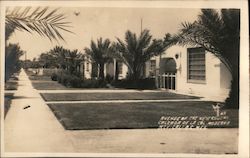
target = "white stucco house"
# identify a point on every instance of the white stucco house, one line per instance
(109, 69)
(191, 70)
(185, 70)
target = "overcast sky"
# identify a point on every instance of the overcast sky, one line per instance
(93, 23)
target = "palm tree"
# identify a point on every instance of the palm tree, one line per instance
(60, 54)
(99, 53)
(74, 58)
(40, 20)
(218, 33)
(134, 52)
(45, 22)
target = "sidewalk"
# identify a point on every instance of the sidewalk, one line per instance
(36, 129)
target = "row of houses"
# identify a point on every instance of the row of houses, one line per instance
(179, 69)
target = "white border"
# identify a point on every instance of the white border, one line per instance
(243, 147)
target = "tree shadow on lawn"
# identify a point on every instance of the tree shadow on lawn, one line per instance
(131, 115)
(7, 101)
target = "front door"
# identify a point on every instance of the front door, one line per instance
(167, 81)
(167, 76)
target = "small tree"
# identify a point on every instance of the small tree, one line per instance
(12, 63)
(134, 52)
(99, 53)
(46, 60)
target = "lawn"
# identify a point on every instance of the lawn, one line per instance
(10, 85)
(47, 85)
(86, 116)
(40, 78)
(113, 96)
(41, 82)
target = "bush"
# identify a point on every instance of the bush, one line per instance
(147, 83)
(54, 77)
(93, 83)
(75, 81)
(109, 78)
(69, 80)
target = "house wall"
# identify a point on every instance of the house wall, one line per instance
(218, 78)
(225, 81)
(124, 72)
(147, 68)
(109, 69)
(87, 73)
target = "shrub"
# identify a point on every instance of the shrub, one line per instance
(93, 83)
(54, 77)
(74, 81)
(69, 80)
(109, 78)
(147, 83)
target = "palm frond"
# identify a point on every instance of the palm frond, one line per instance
(47, 23)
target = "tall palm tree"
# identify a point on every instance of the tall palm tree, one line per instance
(99, 53)
(74, 59)
(135, 51)
(47, 23)
(218, 33)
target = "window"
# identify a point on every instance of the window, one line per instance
(196, 65)
(152, 68)
(87, 64)
(87, 67)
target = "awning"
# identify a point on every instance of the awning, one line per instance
(167, 65)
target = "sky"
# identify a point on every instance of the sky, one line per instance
(112, 23)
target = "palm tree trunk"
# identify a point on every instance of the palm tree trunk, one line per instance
(101, 71)
(233, 99)
(116, 71)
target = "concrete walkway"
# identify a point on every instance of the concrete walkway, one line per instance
(36, 129)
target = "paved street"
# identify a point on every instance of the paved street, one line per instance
(30, 126)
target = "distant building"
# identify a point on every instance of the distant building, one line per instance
(112, 69)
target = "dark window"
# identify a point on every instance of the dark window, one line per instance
(152, 68)
(196, 65)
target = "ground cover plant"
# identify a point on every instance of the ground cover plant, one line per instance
(86, 116)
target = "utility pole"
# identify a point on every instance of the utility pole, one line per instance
(143, 67)
(141, 25)
(25, 60)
